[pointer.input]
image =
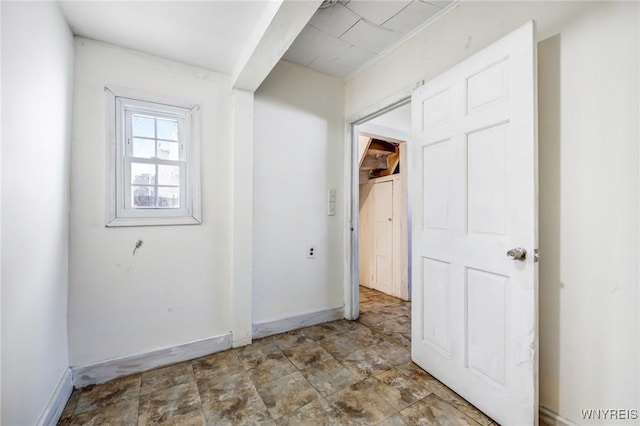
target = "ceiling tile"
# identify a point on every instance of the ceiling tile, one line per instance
(329, 67)
(322, 44)
(354, 57)
(411, 17)
(300, 57)
(371, 37)
(377, 12)
(334, 20)
(441, 4)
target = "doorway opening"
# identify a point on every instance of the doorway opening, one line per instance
(381, 278)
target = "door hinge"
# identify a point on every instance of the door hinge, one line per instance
(536, 255)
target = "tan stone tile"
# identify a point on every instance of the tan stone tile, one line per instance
(461, 404)
(330, 376)
(320, 331)
(178, 404)
(117, 390)
(397, 389)
(357, 404)
(376, 316)
(272, 367)
(242, 407)
(289, 339)
(395, 420)
(165, 377)
(365, 362)
(344, 326)
(121, 413)
(317, 412)
(306, 355)
(222, 361)
(396, 329)
(223, 385)
(365, 337)
(285, 395)
(392, 353)
(250, 355)
(434, 411)
(340, 346)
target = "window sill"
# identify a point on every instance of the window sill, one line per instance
(152, 221)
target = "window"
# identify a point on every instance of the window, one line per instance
(153, 176)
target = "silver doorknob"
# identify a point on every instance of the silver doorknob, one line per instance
(517, 253)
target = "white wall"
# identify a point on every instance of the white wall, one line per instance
(176, 289)
(589, 183)
(37, 67)
(298, 156)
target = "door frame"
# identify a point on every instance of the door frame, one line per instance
(354, 124)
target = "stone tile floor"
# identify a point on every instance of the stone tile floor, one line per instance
(336, 373)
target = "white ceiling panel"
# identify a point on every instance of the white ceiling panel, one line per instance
(330, 67)
(300, 56)
(440, 4)
(323, 44)
(377, 12)
(411, 16)
(371, 37)
(354, 57)
(334, 20)
(338, 40)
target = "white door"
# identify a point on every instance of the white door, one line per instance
(382, 267)
(474, 176)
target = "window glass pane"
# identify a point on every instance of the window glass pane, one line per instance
(144, 148)
(143, 174)
(168, 175)
(143, 196)
(167, 129)
(168, 150)
(168, 197)
(143, 126)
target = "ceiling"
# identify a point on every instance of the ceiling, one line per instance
(208, 34)
(349, 33)
(215, 34)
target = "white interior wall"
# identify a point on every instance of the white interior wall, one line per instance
(588, 142)
(298, 157)
(176, 289)
(37, 67)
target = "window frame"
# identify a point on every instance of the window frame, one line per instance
(121, 105)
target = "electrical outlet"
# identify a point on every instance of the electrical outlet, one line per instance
(311, 252)
(331, 209)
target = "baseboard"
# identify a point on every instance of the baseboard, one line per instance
(270, 328)
(104, 371)
(552, 418)
(58, 401)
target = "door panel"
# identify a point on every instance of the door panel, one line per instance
(383, 240)
(474, 197)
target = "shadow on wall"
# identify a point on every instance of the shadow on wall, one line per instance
(549, 181)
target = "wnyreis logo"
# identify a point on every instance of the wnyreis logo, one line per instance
(608, 414)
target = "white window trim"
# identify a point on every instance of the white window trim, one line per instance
(114, 217)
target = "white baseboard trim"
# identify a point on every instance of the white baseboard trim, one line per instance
(553, 419)
(270, 328)
(58, 401)
(104, 371)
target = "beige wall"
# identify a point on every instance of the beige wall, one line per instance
(37, 77)
(589, 183)
(177, 287)
(298, 157)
